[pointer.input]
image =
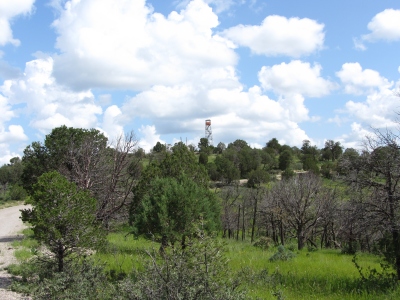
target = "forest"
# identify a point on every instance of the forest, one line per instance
(109, 221)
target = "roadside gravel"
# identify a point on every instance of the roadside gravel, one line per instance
(10, 226)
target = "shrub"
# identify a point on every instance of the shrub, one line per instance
(198, 271)
(263, 242)
(282, 254)
(17, 192)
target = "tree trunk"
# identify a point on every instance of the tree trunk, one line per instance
(254, 219)
(60, 257)
(300, 237)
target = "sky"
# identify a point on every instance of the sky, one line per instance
(259, 69)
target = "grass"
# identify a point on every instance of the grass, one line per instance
(10, 203)
(322, 274)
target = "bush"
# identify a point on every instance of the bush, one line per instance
(17, 192)
(263, 243)
(373, 280)
(199, 271)
(282, 254)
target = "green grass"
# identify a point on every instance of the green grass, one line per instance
(10, 203)
(25, 248)
(323, 274)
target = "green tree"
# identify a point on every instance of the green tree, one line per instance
(84, 157)
(220, 148)
(4, 178)
(257, 177)
(226, 169)
(63, 218)
(269, 160)
(334, 149)
(308, 150)
(171, 206)
(159, 148)
(309, 164)
(203, 158)
(274, 144)
(285, 160)
(180, 161)
(204, 146)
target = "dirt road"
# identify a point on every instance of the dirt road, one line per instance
(10, 226)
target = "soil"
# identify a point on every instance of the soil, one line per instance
(10, 228)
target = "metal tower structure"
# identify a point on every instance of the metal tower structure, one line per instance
(208, 131)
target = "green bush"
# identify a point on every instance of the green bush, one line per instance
(199, 271)
(81, 279)
(282, 254)
(263, 242)
(17, 192)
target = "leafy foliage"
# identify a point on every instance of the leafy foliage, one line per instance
(199, 271)
(62, 218)
(171, 206)
(282, 254)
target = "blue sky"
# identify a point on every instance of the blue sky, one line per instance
(288, 69)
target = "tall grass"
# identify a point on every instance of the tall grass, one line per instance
(322, 274)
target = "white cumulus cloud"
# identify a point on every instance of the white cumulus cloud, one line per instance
(149, 137)
(47, 103)
(124, 44)
(296, 77)
(8, 11)
(383, 26)
(278, 35)
(358, 81)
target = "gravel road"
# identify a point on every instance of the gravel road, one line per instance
(10, 226)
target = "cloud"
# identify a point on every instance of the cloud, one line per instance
(379, 110)
(383, 26)
(358, 81)
(354, 139)
(111, 123)
(381, 105)
(124, 44)
(15, 133)
(149, 137)
(278, 35)
(296, 77)
(47, 103)
(235, 113)
(8, 11)
(219, 5)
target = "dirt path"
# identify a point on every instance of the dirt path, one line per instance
(10, 225)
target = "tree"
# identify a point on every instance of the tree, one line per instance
(301, 198)
(171, 206)
(220, 148)
(227, 170)
(159, 148)
(257, 177)
(204, 146)
(203, 158)
(274, 144)
(180, 161)
(308, 150)
(63, 218)
(4, 178)
(333, 149)
(377, 172)
(285, 160)
(107, 170)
